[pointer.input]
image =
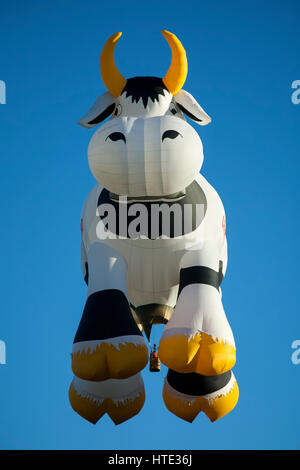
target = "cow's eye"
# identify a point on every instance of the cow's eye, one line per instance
(170, 135)
(114, 136)
(118, 110)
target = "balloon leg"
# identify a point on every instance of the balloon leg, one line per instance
(108, 343)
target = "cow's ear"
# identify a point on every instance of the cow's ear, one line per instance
(102, 108)
(189, 106)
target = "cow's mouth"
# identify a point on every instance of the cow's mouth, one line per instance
(169, 197)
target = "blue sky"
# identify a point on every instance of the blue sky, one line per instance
(243, 58)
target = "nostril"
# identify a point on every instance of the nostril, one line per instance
(170, 134)
(114, 136)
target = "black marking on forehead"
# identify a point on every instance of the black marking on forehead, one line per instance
(145, 88)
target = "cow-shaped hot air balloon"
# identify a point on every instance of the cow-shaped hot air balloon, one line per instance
(153, 251)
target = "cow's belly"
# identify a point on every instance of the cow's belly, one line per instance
(153, 275)
(153, 267)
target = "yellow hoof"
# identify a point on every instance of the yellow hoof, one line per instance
(87, 408)
(186, 408)
(109, 361)
(198, 353)
(122, 411)
(215, 405)
(177, 351)
(92, 408)
(216, 408)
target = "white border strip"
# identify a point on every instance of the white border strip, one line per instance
(191, 333)
(78, 387)
(137, 340)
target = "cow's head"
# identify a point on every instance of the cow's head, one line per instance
(146, 148)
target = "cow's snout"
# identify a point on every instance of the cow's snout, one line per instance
(145, 157)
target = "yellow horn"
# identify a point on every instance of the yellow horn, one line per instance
(112, 78)
(176, 75)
